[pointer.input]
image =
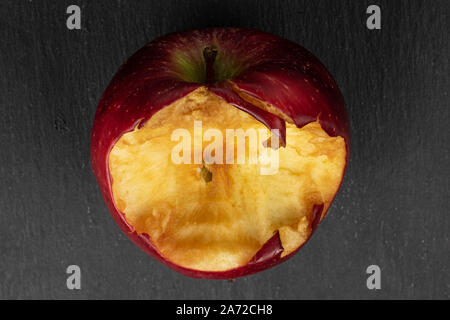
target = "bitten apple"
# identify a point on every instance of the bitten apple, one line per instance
(220, 220)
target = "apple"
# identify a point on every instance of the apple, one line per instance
(220, 220)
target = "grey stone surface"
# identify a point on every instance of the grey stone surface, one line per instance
(392, 209)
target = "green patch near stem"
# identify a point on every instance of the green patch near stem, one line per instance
(191, 66)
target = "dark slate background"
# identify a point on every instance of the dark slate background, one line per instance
(392, 209)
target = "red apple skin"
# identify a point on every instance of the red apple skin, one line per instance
(273, 69)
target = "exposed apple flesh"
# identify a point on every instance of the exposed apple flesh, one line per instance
(219, 221)
(221, 224)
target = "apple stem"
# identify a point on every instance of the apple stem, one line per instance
(209, 54)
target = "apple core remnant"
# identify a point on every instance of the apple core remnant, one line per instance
(216, 217)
